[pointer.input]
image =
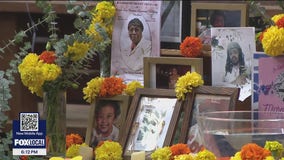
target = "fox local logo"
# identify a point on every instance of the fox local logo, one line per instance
(29, 142)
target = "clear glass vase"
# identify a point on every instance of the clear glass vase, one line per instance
(54, 105)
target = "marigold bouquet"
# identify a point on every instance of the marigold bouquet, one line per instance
(273, 150)
(186, 83)
(108, 150)
(108, 87)
(73, 139)
(272, 38)
(73, 144)
(180, 151)
(64, 61)
(191, 47)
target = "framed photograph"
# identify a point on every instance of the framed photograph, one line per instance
(163, 72)
(232, 55)
(136, 34)
(151, 121)
(207, 15)
(106, 118)
(171, 21)
(204, 99)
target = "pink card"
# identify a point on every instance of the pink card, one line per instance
(271, 82)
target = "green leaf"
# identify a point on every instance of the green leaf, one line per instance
(19, 37)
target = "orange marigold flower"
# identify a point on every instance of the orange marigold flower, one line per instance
(73, 139)
(24, 157)
(112, 86)
(47, 56)
(261, 35)
(102, 142)
(179, 149)
(191, 47)
(280, 23)
(252, 151)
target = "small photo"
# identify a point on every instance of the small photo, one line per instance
(232, 51)
(151, 123)
(106, 121)
(167, 75)
(163, 72)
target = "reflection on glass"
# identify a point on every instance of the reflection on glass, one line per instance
(151, 123)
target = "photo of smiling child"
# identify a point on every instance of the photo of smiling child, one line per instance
(106, 114)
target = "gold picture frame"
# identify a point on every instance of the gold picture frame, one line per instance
(122, 100)
(200, 12)
(157, 69)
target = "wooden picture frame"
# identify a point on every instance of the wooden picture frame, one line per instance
(123, 102)
(200, 13)
(152, 116)
(157, 69)
(213, 98)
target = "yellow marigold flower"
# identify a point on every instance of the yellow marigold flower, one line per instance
(269, 158)
(73, 151)
(30, 60)
(56, 158)
(272, 41)
(162, 154)
(109, 30)
(92, 32)
(77, 51)
(77, 158)
(275, 18)
(105, 9)
(186, 82)
(184, 157)
(50, 71)
(237, 156)
(131, 87)
(108, 150)
(32, 77)
(275, 148)
(205, 155)
(102, 16)
(60, 158)
(92, 89)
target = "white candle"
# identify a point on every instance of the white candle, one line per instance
(138, 155)
(86, 152)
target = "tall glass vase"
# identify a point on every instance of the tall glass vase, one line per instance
(105, 59)
(54, 104)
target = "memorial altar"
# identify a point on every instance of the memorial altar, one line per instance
(61, 97)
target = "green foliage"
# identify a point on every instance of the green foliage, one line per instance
(19, 37)
(256, 9)
(5, 145)
(5, 95)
